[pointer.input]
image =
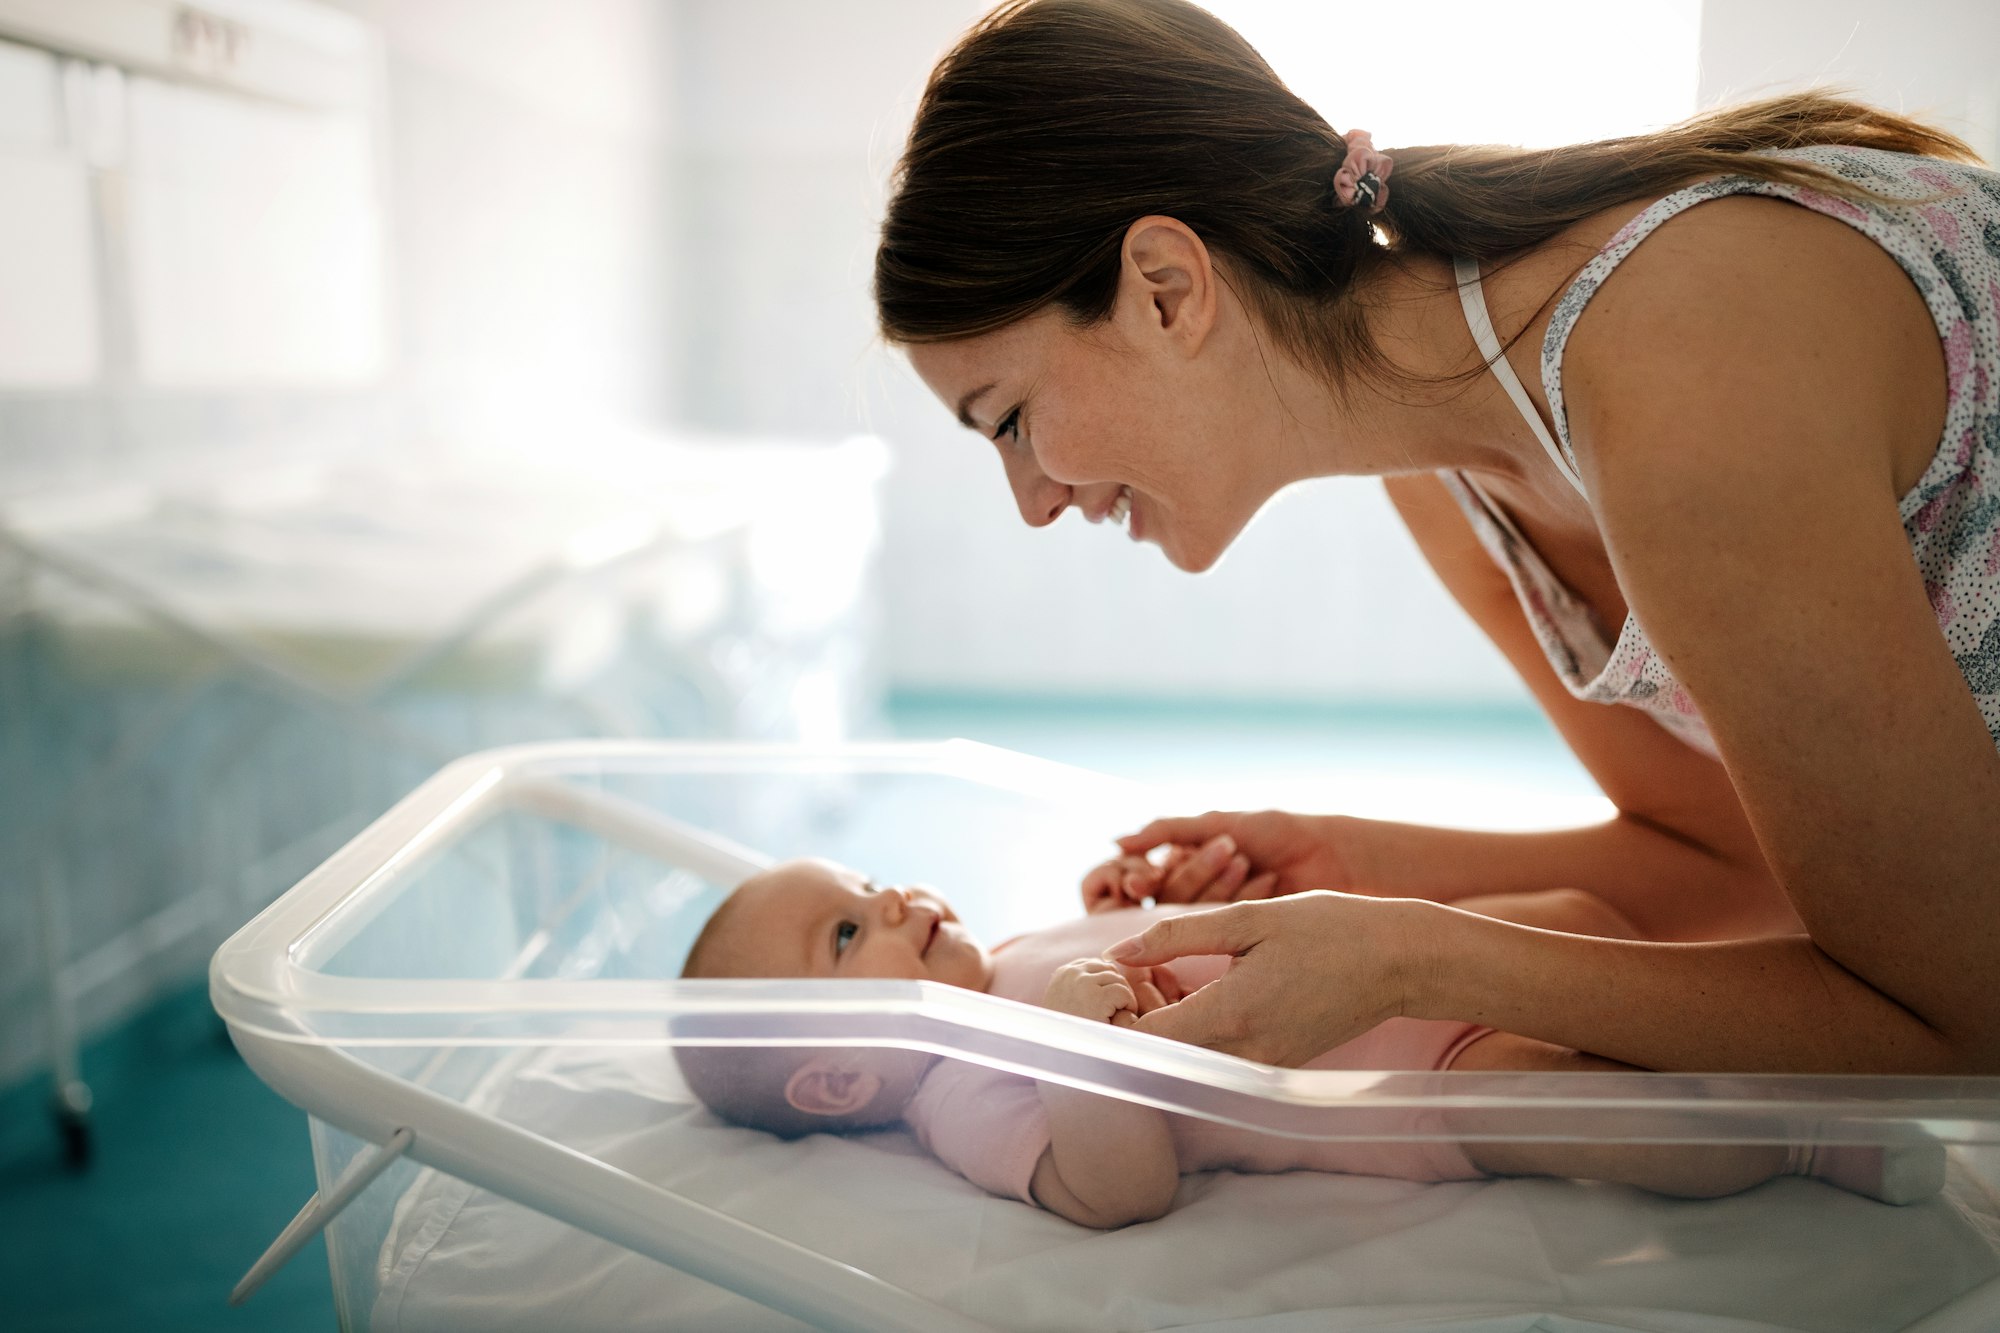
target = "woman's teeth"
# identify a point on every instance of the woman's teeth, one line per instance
(1121, 508)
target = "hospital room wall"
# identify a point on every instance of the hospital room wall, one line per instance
(515, 270)
(530, 204)
(518, 197)
(790, 115)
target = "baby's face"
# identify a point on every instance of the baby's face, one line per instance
(817, 919)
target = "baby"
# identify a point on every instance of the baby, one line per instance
(1098, 1160)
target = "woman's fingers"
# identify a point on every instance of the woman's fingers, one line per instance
(1142, 880)
(1220, 930)
(1148, 996)
(1223, 888)
(1205, 1018)
(1188, 881)
(1264, 886)
(1178, 828)
(1309, 972)
(1160, 981)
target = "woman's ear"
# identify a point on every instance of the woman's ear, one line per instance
(1166, 283)
(824, 1085)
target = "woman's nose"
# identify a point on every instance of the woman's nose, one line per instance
(1040, 497)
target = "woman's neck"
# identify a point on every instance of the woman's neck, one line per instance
(1431, 421)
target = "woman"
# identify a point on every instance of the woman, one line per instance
(1766, 429)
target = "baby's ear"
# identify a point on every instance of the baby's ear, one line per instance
(825, 1085)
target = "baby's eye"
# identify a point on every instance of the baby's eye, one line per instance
(843, 934)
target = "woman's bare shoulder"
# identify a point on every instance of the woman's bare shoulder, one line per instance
(1795, 314)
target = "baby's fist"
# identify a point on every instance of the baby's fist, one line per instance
(1123, 881)
(1092, 988)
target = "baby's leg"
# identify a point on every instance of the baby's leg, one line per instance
(1685, 1171)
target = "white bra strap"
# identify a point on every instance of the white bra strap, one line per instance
(1473, 298)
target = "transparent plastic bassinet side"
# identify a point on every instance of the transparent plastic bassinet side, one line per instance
(516, 925)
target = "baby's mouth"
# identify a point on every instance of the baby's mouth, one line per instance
(937, 923)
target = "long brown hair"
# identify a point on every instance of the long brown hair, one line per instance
(1054, 124)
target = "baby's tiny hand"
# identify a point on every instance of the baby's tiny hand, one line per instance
(1095, 989)
(1123, 881)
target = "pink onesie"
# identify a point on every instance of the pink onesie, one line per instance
(990, 1127)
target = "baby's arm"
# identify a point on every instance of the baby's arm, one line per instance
(1109, 1162)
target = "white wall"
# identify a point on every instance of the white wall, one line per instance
(506, 265)
(1939, 59)
(528, 166)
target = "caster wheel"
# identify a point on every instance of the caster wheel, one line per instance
(72, 1115)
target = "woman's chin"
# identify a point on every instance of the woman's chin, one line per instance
(1197, 560)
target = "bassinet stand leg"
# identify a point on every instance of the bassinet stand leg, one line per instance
(319, 1213)
(70, 1103)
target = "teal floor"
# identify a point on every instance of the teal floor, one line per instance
(197, 1165)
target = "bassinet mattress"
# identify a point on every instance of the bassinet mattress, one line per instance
(1297, 1251)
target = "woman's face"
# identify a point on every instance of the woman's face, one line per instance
(1127, 408)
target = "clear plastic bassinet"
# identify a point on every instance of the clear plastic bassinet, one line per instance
(484, 982)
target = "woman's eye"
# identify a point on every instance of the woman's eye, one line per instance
(1011, 426)
(843, 935)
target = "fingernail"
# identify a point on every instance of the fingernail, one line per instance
(1122, 950)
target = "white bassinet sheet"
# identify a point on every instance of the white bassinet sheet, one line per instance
(1327, 1252)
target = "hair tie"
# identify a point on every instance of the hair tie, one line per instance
(1364, 175)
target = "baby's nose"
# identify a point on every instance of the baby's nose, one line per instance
(895, 905)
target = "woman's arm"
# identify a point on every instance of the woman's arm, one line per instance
(1668, 886)
(1772, 1005)
(1678, 858)
(1731, 391)
(1316, 969)
(1750, 397)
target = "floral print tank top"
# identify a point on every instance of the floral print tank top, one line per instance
(1949, 245)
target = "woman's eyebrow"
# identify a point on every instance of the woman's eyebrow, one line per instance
(965, 405)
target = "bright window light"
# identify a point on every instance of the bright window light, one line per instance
(1537, 73)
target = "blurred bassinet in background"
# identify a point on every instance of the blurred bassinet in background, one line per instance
(209, 689)
(335, 380)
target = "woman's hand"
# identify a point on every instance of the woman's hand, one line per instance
(1228, 855)
(1311, 971)
(1216, 869)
